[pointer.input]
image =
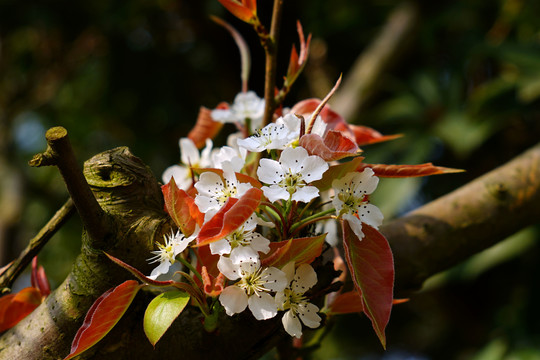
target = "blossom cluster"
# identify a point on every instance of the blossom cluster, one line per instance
(289, 172)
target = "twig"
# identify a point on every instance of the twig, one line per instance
(271, 49)
(36, 244)
(60, 154)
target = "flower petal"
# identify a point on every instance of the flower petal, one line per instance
(305, 278)
(275, 193)
(308, 314)
(227, 268)
(291, 324)
(371, 215)
(262, 306)
(270, 171)
(233, 299)
(305, 194)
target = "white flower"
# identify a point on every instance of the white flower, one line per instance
(295, 302)
(351, 200)
(245, 106)
(272, 136)
(253, 288)
(244, 244)
(213, 192)
(289, 177)
(166, 255)
(229, 157)
(293, 124)
(190, 158)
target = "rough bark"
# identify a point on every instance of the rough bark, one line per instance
(424, 242)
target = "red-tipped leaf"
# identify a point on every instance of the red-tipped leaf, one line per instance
(205, 127)
(15, 307)
(233, 214)
(365, 135)
(139, 275)
(243, 11)
(39, 278)
(301, 251)
(334, 145)
(181, 208)
(103, 315)
(371, 264)
(403, 171)
(351, 302)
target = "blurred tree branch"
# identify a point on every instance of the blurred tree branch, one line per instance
(360, 82)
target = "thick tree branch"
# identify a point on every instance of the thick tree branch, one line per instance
(60, 154)
(472, 218)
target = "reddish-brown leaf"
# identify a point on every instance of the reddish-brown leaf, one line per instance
(205, 128)
(39, 278)
(213, 286)
(233, 214)
(334, 145)
(403, 171)
(347, 303)
(365, 135)
(181, 208)
(103, 315)
(330, 117)
(371, 265)
(337, 172)
(15, 307)
(250, 4)
(301, 251)
(240, 10)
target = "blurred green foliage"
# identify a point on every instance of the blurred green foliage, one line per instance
(465, 93)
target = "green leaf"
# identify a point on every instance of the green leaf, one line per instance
(161, 313)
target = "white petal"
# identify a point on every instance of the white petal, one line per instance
(253, 144)
(180, 174)
(233, 299)
(205, 159)
(305, 194)
(305, 278)
(260, 243)
(275, 279)
(307, 312)
(227, 268)
(209, 184)
(242, 254)
(288, 269)
(366, 181)
(291, 324)
(262, 306)
(269, 171)
(292, 159)
(206, 204)
(313, 168)
(223, 115)
(189, 152)
(355, 224)
(371, 215)
(275, 193)
(162, 268)
(220, 247)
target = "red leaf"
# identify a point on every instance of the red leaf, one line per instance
(330, 117)
(103, 315)
(402, 171)
(336, 172)
(250, 4)
(205, 128)
(365, 135)
(347, 303)
(301, 251)
(15, 307)
(208, 260)
(213, 286)
(233, 214)
(351, 302)
(334, 146)
(39, 278)
(241, 11)
(371, 264)
(181, 208)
